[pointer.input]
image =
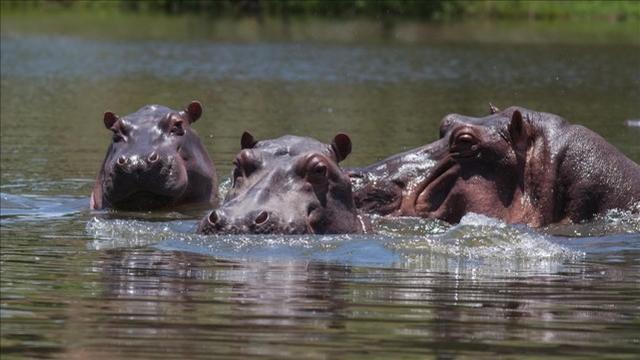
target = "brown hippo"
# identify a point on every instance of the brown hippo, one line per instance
(156, 160)
(288, 185)
(380, 188)
(521, 166)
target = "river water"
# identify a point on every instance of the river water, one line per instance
(83, 284)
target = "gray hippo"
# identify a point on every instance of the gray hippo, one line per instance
(156, 160)
(521, 166)
(288, 185)
(380, 188)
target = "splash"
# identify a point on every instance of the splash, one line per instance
(223, 188)
(614, 221)
(120, 233)
(178, 236)
(478, 241)
(485, 246)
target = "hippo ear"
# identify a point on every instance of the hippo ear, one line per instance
(516, 127)
(247, 141)
(193, 111)
(493, 109)
(341, 145)
(110, 119)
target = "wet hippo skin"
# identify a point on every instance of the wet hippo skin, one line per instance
(521, 166)
(156, 160)
(380, 188)
(288, 185)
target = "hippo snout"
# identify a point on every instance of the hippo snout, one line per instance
(140, 163)
(218, 222)
(254, 222)
(211, 224)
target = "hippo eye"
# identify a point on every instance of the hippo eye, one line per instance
(317, 172)
(117, 137)
(243, 169)
(177, 128)
(246, 165)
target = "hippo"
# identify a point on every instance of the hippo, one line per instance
(155, 160)
(521, 166)
(288, 185)
(379, 188)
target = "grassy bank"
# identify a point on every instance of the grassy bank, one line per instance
(621, 10)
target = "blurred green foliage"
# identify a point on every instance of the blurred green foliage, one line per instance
(383, 9)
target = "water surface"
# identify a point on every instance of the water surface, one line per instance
(79, 283)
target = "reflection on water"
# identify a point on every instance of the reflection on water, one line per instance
(83, 284)
(153, 302)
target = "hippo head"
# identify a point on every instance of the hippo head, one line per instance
(288, 185)
(381, 187)
(155, 159)
(479, 168)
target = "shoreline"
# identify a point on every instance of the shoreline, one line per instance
(154, 26)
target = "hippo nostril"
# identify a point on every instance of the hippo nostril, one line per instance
(262, 218)
(153, 157)
(212, 218)
(122, 160)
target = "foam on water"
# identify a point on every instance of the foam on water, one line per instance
(121, 233)
(415, 243)
(480, 245)
(479, 236)
(614, 221)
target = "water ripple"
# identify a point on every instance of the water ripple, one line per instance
(65, 57)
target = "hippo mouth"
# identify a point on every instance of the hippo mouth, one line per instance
(430, 188)
(147, 193)
(429, 195)
(143, 199)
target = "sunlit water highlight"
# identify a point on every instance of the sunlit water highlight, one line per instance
(77, 283)
(476, 242)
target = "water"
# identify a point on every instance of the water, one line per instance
(86, 284)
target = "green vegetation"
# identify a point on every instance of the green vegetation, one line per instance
(554, 10)
(623, 10)
(346, 21)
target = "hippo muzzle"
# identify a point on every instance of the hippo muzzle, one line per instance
(142, 182)
(254, 222)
